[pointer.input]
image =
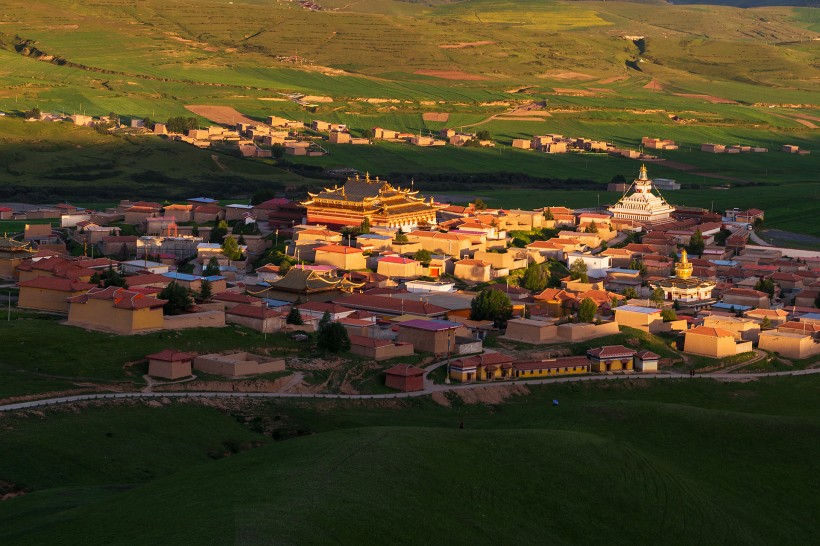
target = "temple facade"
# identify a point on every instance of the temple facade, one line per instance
(683, 287)
(12, 254)
(377, 200)
(642, 205)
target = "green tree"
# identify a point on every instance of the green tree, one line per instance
(535, 277)
(618, 179)
(630, 293)
(205, 290)
(587, 310)
(483, 134)
(294, 317)
(668, 315)
(492, 305)
(368, 133)
(479, 204)
(765, 324)
(34, 113)
(401, 238)
(109, 277)
(325, 320)
(657, 296)
(422, 256)
(766, 285)
(548, 214)
(230, 248)
(219, 232)
(178, 299)
(696, 244)
(195, 230)
(364, 227)
(578, 271)
(333, 338)
(592, 227)
(212, 268)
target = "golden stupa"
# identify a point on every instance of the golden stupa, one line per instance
(683, 268)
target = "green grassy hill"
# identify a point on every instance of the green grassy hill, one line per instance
(676, 462)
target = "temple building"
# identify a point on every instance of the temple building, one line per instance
(377, 200)
(685, 288)
(307, 285)
(642, 205)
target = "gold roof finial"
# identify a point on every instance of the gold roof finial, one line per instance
(642, 173)
(367, 176)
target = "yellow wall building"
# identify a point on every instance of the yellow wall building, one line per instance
(713, 342)
(343, 257)
(50, 293)
(117, 310)
(571, 365)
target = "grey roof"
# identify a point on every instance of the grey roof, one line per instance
(449, 300)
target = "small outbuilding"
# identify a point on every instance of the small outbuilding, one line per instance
(646, 361)
(170, 364)
(404, 377)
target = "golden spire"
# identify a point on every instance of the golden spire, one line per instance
(683, 268)
(642, 173)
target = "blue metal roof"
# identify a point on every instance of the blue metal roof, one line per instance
(731, 307)
(727, 263)
(276, 303)
(204, 200)
(176, 275)
(638, 309)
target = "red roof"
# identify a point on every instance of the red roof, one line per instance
(123, 299)
(234, 297)
(146, 279)
(647, 355)
(60, 284)
(396, 260)
(390, 305)
(339, 249)
(253, 311)
(611, 351)
(404, 370)
(324, 307)
(170, 355)
(364, 341)
(745, 292)
(568, 361)
(710, 331)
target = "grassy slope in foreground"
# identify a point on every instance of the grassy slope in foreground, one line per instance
(681, 462)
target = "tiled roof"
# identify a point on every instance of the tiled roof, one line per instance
(338, 249)
(745, 292)
(123, 299)
(390, 305)
(611, 351)
(146, 279)
(486, 359)
(647, 355)
(170, 355)
(234, 297)
(364, 341)
(404, 370)
(569, 361)
(709, 331)
(431, 325)
(60, 284)
(253, 311)
(322, 307)
(473, 263)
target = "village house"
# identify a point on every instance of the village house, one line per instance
(49, 293)
(404, 377)
(552, 367)
(379, 349)
(170, 364)
(117, 310)
(643, 318)
(385, 305)
(432, 336)
(256, 317)
(450, 244)
(775, 316)
(611, 358)
(646, 361)
(746, 297)
(713, 342)
(397, 267)
(596, 264)
(789, 343)
(742, 328)
(40, 234)
(343, 257)
(473, 270)
(483, 367)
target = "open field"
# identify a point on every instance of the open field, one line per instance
(613, 450)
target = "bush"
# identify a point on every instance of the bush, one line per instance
(492, 305)
(587, 310)
(179, 299)
(333, 338)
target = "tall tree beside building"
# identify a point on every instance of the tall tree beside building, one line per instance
(587, 310)
(668, 315)
(630, 293)
(178, 297)
(219, 232)
(548, 214)
(578, 271)
(294, 317)
(765, 285)
(766, 324)
(230, 248)
(535, 277)
(696, 244)
(365, 226)
(422, 256)
(592, 227)
(205, 290)
(657, 296)
(492, 305)
(401, 238)
(333, 338)
(212, 268)
(325, 320)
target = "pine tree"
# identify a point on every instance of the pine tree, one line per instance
(178, 298)
(230, 248)
(212, 269)
(294, 317)
(696, 244)
(325, 320)
(205, 290)
(587, 310)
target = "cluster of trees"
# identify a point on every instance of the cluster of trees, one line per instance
(178, 298)
(578, 271)
(331, 337)
(109, 277)
(34, 113)
(180, 124)
(492, 305)
(696, 244)
(767, 286)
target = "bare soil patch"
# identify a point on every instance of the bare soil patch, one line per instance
(805, 122)
(710, 98)
(494, 394)
(224, 115)
(536, 118)
(451, 75)
(435, 116)
(566, 75)
(439, 398)
(654, 86)
(574, 92)
(462, 45)
(601, 89)
(317, 98)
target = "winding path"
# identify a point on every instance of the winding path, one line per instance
(429, 389)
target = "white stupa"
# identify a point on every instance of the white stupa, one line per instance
(642, 205)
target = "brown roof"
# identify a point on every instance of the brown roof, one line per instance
(207, 209)
(364, 341)
(745, 292)
(146, 279)
(170, 355)
(647, 355)
(234, 297)
(486, 359)
(322, 307)
(339, 249)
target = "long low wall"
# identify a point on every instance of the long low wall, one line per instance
(206, 319)
(237, 364)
